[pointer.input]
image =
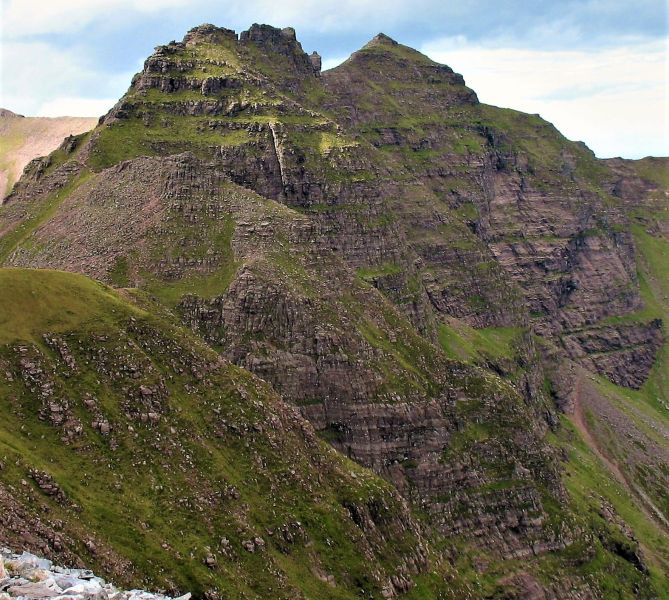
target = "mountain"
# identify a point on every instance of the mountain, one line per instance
(26, 138)
(464, 304)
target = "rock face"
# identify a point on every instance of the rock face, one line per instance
(29, 577)
(625, 353)
(319, 342)
(396, 259)
(316, 61)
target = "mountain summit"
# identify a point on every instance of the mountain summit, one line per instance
(381, 39)
(352, 333)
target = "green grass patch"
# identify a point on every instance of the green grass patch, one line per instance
(204, 285)
(463, 342)
(653, 169)
(35, 301)
(166, 134)
(369, 274)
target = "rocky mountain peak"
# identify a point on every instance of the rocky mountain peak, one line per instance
(282, 43)
(213, 70)
(382, 39)
(423, 280)
(272, 39)
(399, 71)
(208, 33)
(383, 45)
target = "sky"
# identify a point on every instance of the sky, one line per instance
(597, 69)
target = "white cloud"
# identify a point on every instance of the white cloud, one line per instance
(34, 17)
(332, 62)
(76, 107)
(39, 79)
(332, 15)
(614, 99)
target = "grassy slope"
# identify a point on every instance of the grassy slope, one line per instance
(33, 303)
(654, 270)
(38, 215)
(591, 484)
(217, 432)
(462, 342)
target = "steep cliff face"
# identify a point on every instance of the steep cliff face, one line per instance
(393, 257)
(537, 204)
(300, 317)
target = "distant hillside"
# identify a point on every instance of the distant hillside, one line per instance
(24, 138)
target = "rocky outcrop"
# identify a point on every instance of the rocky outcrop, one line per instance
(641, 186)
(28, 577)
(624, 353)
(316, 61)
(436, 457)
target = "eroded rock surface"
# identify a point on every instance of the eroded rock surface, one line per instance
(27, 577)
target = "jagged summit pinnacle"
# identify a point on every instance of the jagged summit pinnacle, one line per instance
(264, 33)
(272, 40)
(258, 33)
(208, 33)
(281, 41)
(382, 38)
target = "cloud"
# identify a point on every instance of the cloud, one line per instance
(614, 99)
(74, 106)
(23, 18)
(38, 17)
(37, 78)
(477, 18)
(332, 62)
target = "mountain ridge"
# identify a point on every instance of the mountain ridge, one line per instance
(419, 273)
